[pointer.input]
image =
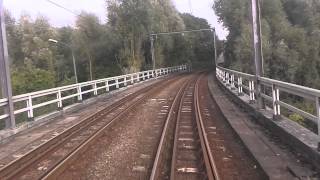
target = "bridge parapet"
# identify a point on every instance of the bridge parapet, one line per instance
(28, 103)
(271, 93)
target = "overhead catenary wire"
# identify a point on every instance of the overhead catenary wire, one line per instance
(63, 7)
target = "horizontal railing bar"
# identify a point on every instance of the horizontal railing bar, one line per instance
(76, 90)
(21, 110)
(278, 87)
(299, 111)
(266, 97)
(45, 103)
(296, 92)
(4, 116)
(305, 90)
(249, 76)
(70, 96)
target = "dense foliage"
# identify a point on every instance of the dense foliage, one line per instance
(291, 38)
(121, 45)
(291, 43)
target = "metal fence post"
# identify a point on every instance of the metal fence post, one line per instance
(107, 86)
(251, 91)
(232, 82)
(132, 80)
(228, 79)
(30, 108)
(117, 83)
(59, 99)
(95, 91)
(318, 115)
(79, 93)
(125, 80)
(275, 99)
(240, 90)
(138, 77)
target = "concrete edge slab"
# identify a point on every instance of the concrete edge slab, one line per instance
(270, 163)
(300, 139)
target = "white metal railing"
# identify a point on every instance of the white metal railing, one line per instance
(228, 77)
(80, 89)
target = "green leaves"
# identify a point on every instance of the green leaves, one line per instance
(290, 38)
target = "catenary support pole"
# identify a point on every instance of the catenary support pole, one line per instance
(5, 79)
(257, 48)
(215, 47)
(152, 52)
(74, 66)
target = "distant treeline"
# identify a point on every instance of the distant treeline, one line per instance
(121, 45)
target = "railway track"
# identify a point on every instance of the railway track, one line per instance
(191, 153)
(49, 159)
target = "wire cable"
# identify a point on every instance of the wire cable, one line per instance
(62, 7)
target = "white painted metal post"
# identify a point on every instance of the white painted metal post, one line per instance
(253, 91)
(125, 80)
(240, 91)
(107, 86)
(278, 99)
(59, 99)
(228, 79)
(274, 101)
(117, 83)
(79, 92)
(138, 77)
(30, 107)
(144, 76)
(95, 91)
(250, 89)
(132, 80)
(232, 82)
(318, 115)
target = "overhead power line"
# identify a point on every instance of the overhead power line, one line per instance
(62, 7)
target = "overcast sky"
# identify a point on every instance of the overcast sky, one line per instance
(61, 17)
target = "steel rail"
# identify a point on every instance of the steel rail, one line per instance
(62, 165)
(175, 143)
(21, 163)
(155, 168)
(209, 160)
(210, 166)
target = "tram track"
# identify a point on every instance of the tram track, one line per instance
(50, 158)
(191, 154)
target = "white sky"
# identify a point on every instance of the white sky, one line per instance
(61, 17)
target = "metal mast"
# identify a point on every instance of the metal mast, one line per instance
(5, 81)
(257, 47)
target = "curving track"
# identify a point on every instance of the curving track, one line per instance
(195, 141)
(191, 158)
(199, 148)
(50, 158)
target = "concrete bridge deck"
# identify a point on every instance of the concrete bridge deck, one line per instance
(279, 159)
